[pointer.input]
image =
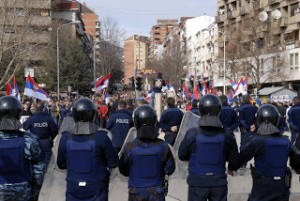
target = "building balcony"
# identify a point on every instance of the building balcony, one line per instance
(271, 2)
(283, 22)
(37, 4)
(220, 18)
(231, 14)
(244, 10)
(256, 4)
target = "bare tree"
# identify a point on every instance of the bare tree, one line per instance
(110, 51)
(20, 43)
(172, 62)
(254, 52)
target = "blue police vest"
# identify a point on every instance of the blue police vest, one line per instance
(273, 161)
(146, 166)
(14, 168)
(209, 156)
(82, 163)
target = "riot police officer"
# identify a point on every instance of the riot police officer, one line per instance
(21, 158)
(228, 116)
(146, 159)
(119, 124)
(207, 148)
(271, 150)
(294, 118)
(170, 121)
(87, 154)
(44, 128)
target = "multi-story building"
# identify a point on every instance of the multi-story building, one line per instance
(136, 53)
(159, 34)
(277, 30)
(196, 46)
(91, 21)
(27, 25)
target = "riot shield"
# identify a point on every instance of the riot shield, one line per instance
(54, 185)
(189, 120)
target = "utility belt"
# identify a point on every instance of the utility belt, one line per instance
(287, 178)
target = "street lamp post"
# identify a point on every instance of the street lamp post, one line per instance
(224, 62)
(94, 57)
(57, 53)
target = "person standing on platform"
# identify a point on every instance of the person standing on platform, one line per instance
(87, 154)
(170, 121)
(147, 160)
(207, 148)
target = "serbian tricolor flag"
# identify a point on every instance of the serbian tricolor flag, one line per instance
(195, 95)
(186, 93)
(102, 82)
(13, 90)
(230, 97)
(171, 88)
(33, 90)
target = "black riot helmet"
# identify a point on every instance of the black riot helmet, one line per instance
(84, 110)
(10, 106)
(210, 105)
(267, 113)
(144, 115)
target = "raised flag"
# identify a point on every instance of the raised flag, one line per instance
(242, 87)
(234, 84)
(230, 97)
(149, 94)
(171, 88)
(195, 93)
(13, 90)
(186, 93)
(102, 82)
(33, 90)
(106, 98)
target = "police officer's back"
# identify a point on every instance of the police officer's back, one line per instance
(247, 120)
(86, 154)
(195, 107)
(21, 156)
(44, 128)
(146, 159)
(228, 116)
(207, 148)
(294, 118)
(170, 121)
(271, 151)
(119, 124)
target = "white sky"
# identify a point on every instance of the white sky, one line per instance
(138, 16)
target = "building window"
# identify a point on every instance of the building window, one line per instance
(294, 61)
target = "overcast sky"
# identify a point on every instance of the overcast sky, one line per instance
(138, 16)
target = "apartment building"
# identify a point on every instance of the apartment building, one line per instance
(136, 53)
(277, 28)
(27, 25)
(159, 34)
(91, 21)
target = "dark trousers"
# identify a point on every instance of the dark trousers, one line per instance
(268, 189)
(210, 194)
(90, 193)
(170, 137)
(146, 194)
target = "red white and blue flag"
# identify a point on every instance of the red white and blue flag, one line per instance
(33, 90)
(195, 95)
(234, 84)
(242, 87)
(171, 88)
(102, 83)
(186, 93)
(106, 97)
(13, 90)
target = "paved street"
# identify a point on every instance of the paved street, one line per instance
(239, 186)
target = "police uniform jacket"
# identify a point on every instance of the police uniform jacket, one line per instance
(41, 125)
(119, 124)
(267, 163)
(170, 117)
(146, 160)
(294, 118)
(229, 118)
(247, 115)
(87, 158)
(200, 174)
